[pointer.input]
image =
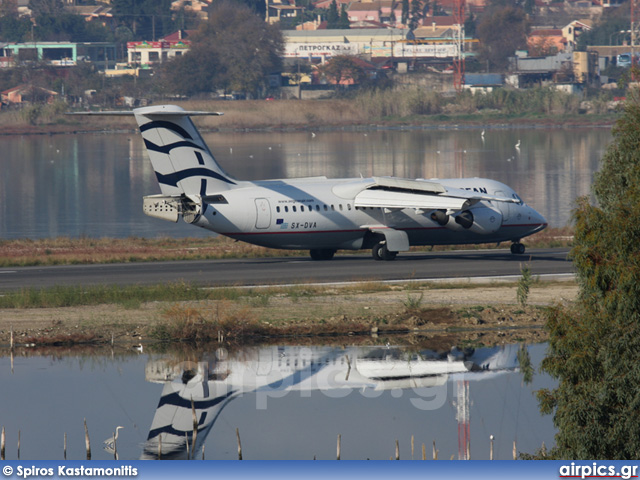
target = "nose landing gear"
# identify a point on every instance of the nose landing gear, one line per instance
(517, 248)
(322, 253)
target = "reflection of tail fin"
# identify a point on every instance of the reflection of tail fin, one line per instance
(172, 425)
(180, 158)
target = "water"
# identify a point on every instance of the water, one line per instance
(288, 402)
(92, 184)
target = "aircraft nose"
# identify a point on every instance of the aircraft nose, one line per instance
(537, 220)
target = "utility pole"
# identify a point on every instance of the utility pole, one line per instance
(635, 34)
(458, 60)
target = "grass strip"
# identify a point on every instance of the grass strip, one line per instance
(86, 250)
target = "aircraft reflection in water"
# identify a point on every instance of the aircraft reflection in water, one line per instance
(271, 372)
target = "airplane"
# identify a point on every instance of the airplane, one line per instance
(194, 394)
(322, 215)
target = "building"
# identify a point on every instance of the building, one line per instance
(428, 46)
(197, 7)
(383, 11)
(92, 13)
(280, 9)
(322, 44)
(572, 31)
(60, 54)
(545, 41)
(147, 54)
(27, 94)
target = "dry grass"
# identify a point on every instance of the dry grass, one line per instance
(63, 340)
(404, 106)
(239, 115)
(232, 322)
(85, 250)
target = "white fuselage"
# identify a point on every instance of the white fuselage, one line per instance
(321, 213)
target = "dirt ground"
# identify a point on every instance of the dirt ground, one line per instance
(487, 313)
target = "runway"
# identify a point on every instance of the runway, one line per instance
(290, 270)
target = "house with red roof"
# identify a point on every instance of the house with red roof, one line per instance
(543, 42)
(26, 93)
(376, 11)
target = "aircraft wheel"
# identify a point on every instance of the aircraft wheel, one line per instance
(380, 252)
(517, 248)
(375, 251)
(321, 254)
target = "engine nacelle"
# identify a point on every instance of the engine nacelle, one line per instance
(486, 220)
(482, 220)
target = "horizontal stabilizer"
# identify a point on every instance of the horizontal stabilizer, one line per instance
(149, 112)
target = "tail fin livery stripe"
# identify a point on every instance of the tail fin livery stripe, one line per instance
(172, 179)
(179, 155)
(167, 148)
(203, 192)
(168, 125)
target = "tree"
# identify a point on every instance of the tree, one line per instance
(343, 68)
(147, 19)
(470, 26)
(333, 17)
(416, 14)
(234, 50)
(405, 11)
(69, 27)
(50, 8)
(392, 13)
(343, 21)
(611, 29)
(593, 348)
(501, 31)
(13, 28)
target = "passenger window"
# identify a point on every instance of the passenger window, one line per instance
(325, 208)
(348, 206)
(294, 208)
(317, 207)
(278, 209)
(333, 207)
(340, 207)
(286, 209)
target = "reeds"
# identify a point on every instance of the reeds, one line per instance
(190, 446)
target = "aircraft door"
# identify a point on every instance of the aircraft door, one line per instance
(263, 213)
(505, 208)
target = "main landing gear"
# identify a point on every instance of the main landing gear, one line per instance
(322, 253)
(517, 248)
(380, 252)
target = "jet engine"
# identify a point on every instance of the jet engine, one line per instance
(483, 220)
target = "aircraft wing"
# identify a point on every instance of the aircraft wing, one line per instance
(398, 193)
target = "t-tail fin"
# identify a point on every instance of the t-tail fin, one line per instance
(180, 157)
